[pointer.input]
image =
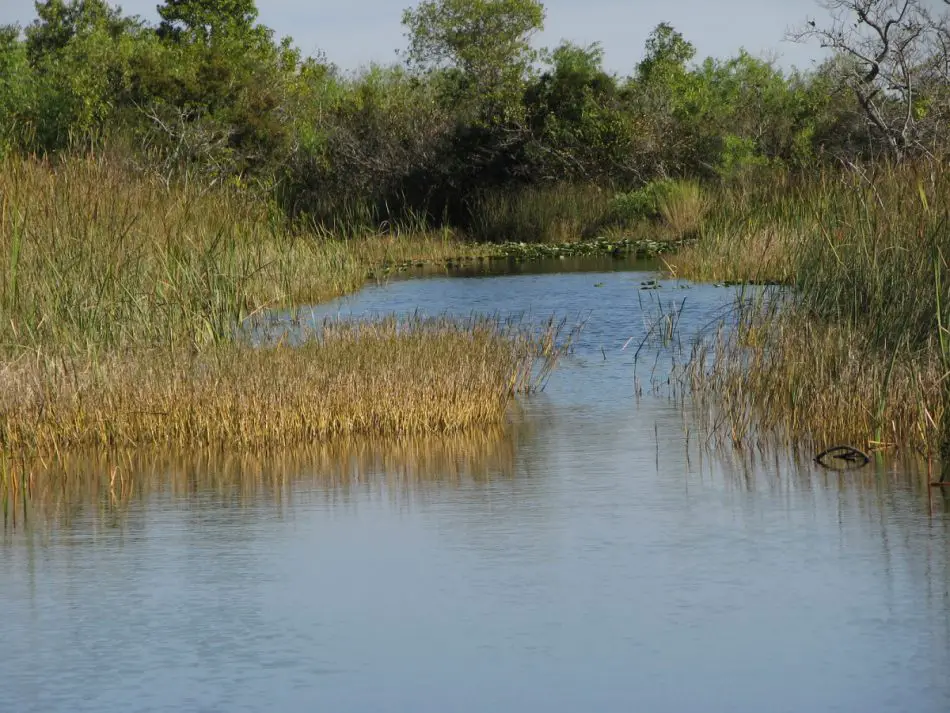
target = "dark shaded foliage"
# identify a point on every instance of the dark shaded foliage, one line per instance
(206, 91)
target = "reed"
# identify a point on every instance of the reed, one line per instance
(682, 205)
(763, 255)
(750, 231)
(381, 378)
(558, 213)
(125, 306)
(853, 350)
(94, 257)
(786, 378)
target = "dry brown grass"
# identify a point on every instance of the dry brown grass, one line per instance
(762, 255)
(372, 378)
(785, 377)
(682, 205)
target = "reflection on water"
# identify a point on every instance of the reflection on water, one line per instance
(506, 267)
(75, 489)
(592, 557)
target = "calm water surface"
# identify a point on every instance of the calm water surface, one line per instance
(585, 561)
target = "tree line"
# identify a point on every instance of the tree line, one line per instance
(207, 91)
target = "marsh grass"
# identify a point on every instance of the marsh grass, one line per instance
(854, 349)
(94, 257)
(108, 260)
(782, 376)
(682, 205)
(381, 378)
(559, 213)
(750, 232)
(124, 301)
(763, 255)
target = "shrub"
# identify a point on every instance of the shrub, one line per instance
(680, 205)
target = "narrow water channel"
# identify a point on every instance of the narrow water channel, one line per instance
(588, 559)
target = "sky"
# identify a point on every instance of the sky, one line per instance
(354, 33)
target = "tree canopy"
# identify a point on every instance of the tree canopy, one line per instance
(204, 88)
(488, 41)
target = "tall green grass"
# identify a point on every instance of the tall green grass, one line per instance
(558, 213)
(857, 351)
(563, 212)
(870, 259)
(124, 301)
(682, 205)
(94, 256)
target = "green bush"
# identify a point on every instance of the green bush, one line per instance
(679, 205)
(627, 209)
(461, 136)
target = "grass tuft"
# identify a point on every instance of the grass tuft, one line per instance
(854, 350)
(559, 213)
(387, 378)
(682, 205)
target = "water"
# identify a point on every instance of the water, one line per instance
(587, 560)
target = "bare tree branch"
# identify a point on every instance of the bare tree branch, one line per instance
(894, 55)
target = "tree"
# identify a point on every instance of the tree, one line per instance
(202, 19)
(577, 72)
(578, 128)
(16, 90)
(889, 54)
(79, 53)
(58, 22)
(667, 100)
(759, 114)
(488, 41)
(214, 90)
(667, 54)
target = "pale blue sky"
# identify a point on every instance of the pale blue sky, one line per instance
(356, 32)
